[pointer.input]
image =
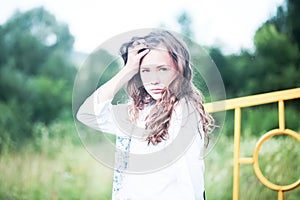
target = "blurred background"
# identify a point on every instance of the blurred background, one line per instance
(255, 45)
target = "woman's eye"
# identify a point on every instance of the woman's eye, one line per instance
(144, 70)
(163, 69)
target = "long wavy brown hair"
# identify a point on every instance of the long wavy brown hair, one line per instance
(159, 118)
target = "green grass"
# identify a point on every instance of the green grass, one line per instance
(53, 166)
(71, 174)
(279, 162)
(56, 166)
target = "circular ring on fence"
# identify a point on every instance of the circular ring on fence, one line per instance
(257, 170)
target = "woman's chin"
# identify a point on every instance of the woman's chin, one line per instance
(156, 96)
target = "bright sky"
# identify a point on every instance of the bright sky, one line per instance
(230, 24)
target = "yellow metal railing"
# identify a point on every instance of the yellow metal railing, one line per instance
(237, 104)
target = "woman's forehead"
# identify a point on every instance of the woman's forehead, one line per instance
(157, 57)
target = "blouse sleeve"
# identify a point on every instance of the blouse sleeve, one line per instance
(97, 115)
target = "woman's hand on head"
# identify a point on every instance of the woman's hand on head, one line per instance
(134, 58)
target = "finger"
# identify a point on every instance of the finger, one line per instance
(141, 50)
(137, 49)
(138, 53)
(137, 45)
(134, 50)
(143, 53)
(139, 42)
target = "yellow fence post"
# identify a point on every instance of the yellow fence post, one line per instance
(236, 165)
(237, 104)
(281, 119)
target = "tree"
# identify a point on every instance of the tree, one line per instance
(36, 74)
(274, 65)
(293, 15)
(276, 55)
(185, 22)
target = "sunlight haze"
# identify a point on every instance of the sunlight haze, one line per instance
(229, 24)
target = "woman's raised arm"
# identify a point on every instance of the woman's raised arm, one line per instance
(92, 112)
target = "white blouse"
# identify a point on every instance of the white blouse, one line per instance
(173, 169)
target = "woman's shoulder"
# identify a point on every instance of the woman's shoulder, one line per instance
(186, 105)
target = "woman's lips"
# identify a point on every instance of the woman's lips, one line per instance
(156, 90)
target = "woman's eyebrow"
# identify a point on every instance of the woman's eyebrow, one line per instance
(154, 66)
(144, 67)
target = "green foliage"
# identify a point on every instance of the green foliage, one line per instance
(276, 165)
(260, 119)
(292, 19)
(49, 139)
(99, 67)
(278, 51)
(274, 64)
(49, 97)
(36, 75)
(185, 22)
(30, 37)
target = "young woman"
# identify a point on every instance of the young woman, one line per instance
(162, 131)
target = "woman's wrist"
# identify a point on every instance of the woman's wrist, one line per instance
(110, 88)
(129, 71)
(126, 74)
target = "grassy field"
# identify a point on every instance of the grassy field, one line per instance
(72, 174)
(53, 166)
(279, 162)
(56, 166)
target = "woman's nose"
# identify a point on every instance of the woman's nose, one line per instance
(154, 78)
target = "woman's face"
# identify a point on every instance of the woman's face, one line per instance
(157, 71)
